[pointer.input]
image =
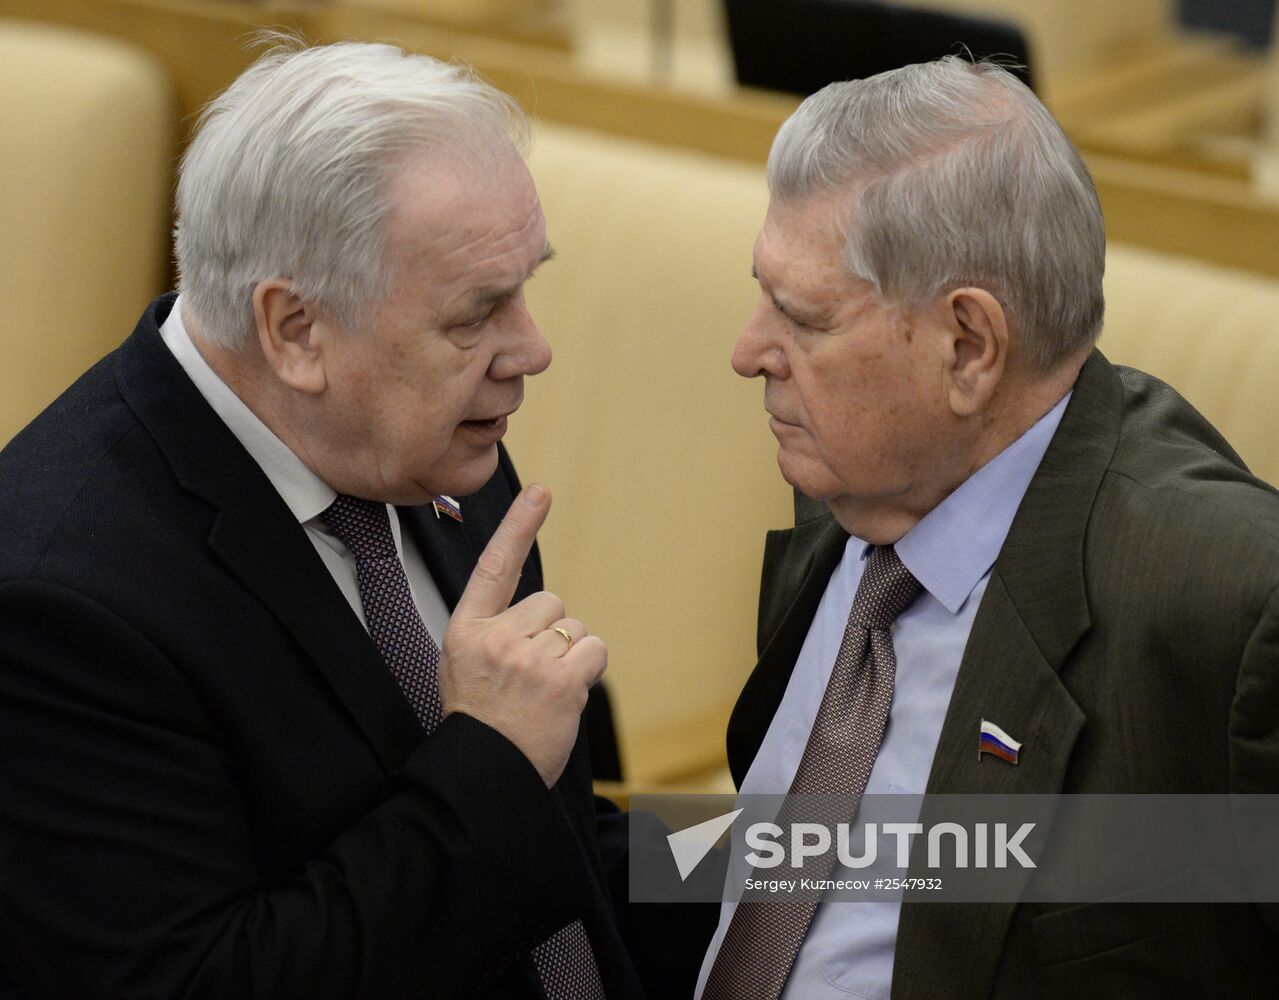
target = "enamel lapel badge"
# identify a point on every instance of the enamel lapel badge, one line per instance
(994, 740)
(448, 507)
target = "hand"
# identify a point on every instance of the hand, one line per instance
(502, 665)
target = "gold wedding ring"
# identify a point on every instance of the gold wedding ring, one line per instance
(564, 632)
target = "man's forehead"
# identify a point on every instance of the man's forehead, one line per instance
(445, 204)
(819, 220)
(809, 233)
(444, 176)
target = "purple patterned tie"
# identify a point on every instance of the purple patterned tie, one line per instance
(392, 617)
(565, 961)
(763, 938)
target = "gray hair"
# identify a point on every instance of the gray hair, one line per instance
(958, 176)
(289, 171)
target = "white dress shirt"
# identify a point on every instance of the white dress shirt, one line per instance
(306, 494)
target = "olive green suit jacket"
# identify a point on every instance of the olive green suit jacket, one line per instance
(1129, 636)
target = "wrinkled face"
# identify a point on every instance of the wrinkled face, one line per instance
(853, 388)
(420, 398)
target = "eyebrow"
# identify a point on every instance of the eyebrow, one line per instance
(802, 316)
(489, 294)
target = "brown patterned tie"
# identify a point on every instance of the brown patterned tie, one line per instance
(763, 938)
(565, 961)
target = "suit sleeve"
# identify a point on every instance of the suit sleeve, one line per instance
(126, 858)
(1254, 744)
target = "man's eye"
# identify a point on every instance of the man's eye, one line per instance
(472, 324)
(793, 322)
(790, 320)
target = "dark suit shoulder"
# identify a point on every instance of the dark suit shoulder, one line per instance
(1181, 563)
(64, 472)
(1172, 462)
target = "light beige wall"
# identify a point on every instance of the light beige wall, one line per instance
(461, 12)
(1072, 38)
(616, 39)
(1069, 40)
(1266, 158)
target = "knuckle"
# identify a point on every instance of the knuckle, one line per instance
(551, 603)
(493, 565)
(535, 600)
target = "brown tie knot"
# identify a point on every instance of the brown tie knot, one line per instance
(887, 589)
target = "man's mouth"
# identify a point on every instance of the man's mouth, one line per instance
(486, 429)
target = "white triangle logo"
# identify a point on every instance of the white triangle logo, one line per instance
(693, 843)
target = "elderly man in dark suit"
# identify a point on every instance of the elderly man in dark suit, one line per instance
(280, 717)
(997, 532)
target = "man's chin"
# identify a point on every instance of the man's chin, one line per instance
(798, 477)
(468, 478)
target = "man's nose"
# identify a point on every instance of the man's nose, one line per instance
(526, 352)
(756, 351)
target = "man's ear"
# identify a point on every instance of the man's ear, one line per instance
(977, 336)
(291, 344)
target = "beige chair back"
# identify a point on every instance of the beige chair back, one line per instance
(659, 456)
(1211, 333)
(87, 134)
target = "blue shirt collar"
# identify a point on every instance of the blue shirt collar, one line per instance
(957, 542)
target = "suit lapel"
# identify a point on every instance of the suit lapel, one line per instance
(797, 567)
(447, 548)
(260, 542)
(1033, 613)
(256, 537)
(1004, 678)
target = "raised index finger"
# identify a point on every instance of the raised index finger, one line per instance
(492, 583)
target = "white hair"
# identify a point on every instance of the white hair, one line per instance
(289, 172)
(957, 176)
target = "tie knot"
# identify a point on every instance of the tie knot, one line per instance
(887, 589)
(362, 525)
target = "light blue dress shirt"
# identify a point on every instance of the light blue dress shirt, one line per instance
(849, 948)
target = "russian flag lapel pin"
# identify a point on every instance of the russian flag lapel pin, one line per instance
(995, 741)
(448, 507)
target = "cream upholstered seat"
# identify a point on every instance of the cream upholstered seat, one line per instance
(1211, 333)
(658, 455)
(87, 132)
(660, 458)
